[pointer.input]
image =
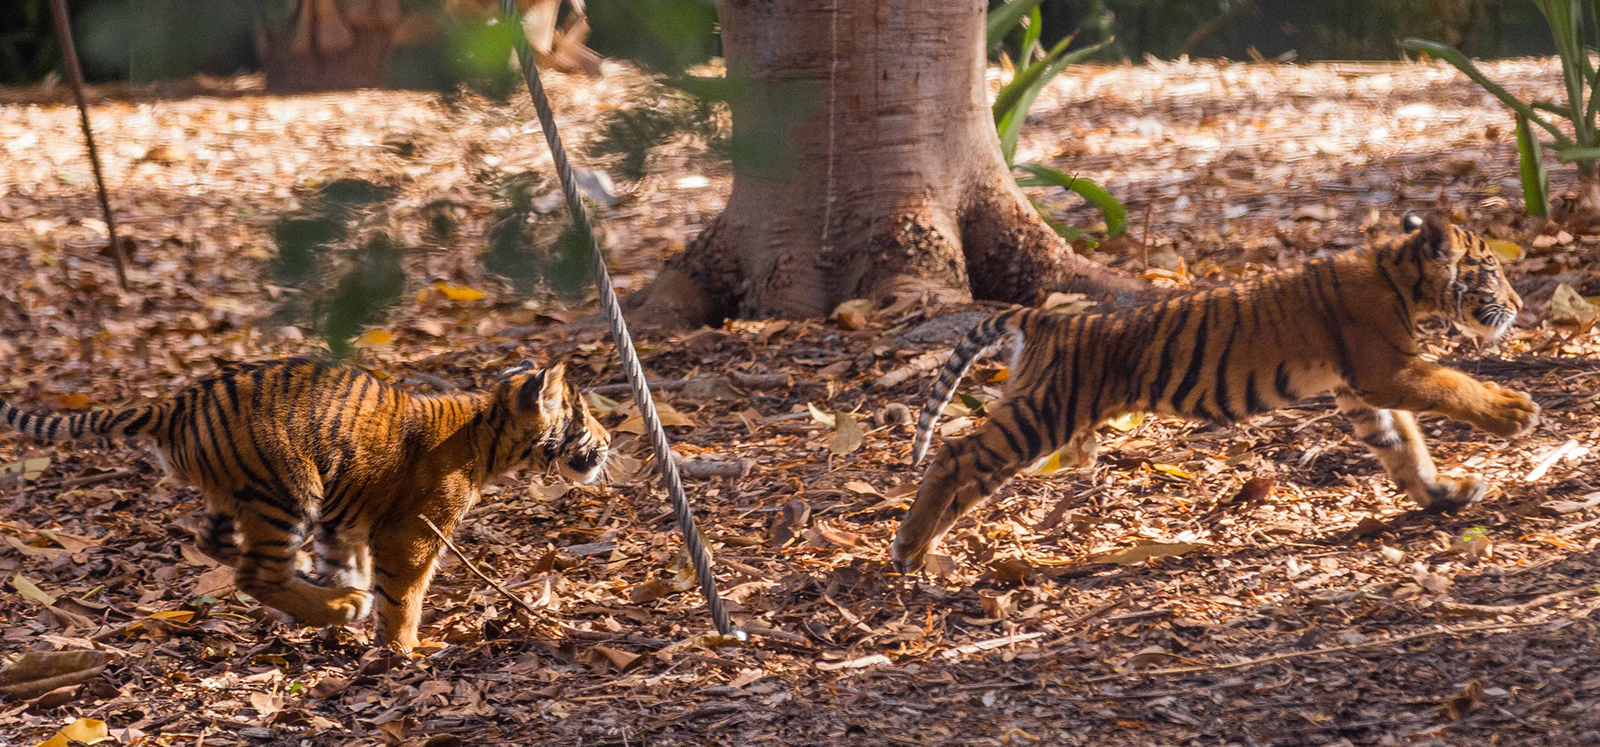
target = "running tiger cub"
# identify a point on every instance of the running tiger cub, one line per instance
(1346, 323)
(280, 448)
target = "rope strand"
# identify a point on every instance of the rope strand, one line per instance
(619, 332)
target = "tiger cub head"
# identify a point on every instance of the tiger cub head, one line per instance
(1458, 277)
(551, 425)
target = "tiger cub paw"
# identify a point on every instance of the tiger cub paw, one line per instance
(351, 605)
(1510, 413)
(1448, 495)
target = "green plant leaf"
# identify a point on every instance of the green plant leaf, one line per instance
(1005, 18)
(1535, 183)
(1030, 37)
(1043, 176)
(1063, 230)
(1011, 105)
(1460, 62)
(1577, 154)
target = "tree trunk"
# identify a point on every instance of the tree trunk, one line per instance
(886, 177)
(332, 46)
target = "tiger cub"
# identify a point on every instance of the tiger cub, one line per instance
(282, 449)
(1346, 323)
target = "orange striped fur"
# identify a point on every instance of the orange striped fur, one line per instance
(1346, 323)
(289, 448)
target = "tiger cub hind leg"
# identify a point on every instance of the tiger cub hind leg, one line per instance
(344, 560)
(1393, 436)
(970, 469)
(271, 540)
(218, 537)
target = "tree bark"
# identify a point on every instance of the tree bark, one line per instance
(886, 174)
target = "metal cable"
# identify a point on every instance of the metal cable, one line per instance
(619, 332)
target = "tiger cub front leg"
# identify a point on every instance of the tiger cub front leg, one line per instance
(1396, 440)
(1424, 386)
(965, 472)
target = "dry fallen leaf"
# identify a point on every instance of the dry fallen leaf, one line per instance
(848, 435)
(38, 672)
(82, 731)
(1143, 552)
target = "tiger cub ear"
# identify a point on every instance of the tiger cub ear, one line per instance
(1430, 234)
(545, 391)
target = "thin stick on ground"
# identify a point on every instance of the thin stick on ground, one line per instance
(471, 566)
(69, 61)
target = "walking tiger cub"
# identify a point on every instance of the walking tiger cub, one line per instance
(281, 448)
(1346, 323)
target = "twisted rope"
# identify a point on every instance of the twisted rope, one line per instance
(619, 332)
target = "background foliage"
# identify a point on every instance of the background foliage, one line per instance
(668, 35)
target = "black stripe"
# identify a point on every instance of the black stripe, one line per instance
(139, 422)
(1220, 390)
(1282, 382)
(1158, 386)
(1197, 357)
(1030, 432)
(1252, 396)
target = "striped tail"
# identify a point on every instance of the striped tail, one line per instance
(983, 337)
(135, 421)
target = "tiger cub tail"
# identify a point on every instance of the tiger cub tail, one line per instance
(134, 421)
(987, 335)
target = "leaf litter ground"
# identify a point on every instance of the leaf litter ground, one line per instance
(1259, 585)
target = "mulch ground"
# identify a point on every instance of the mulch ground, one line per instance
(1256, 585)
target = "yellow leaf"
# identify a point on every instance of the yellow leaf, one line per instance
(74, 402)
(84, 730)
(459, 293)
(31, 469)
(824, 418)
(1068, 303)
(1000, 376)
(374, 337)
(1172, 470)
(1126, 421)
(1507, 251)
(181, 616)
(26, 587)
(1053, 464)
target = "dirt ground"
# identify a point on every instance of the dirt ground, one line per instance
(1259, 585)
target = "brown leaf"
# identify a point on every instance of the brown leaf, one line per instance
(38, 672)
(649, 591)
(597, 656)
(1011, 571)
(1143, 552)
(1456, 707)
(791, 522)
(1254, 490)
(847, 436)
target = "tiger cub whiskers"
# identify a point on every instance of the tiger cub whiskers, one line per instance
(1346, 323)
(285, 449)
